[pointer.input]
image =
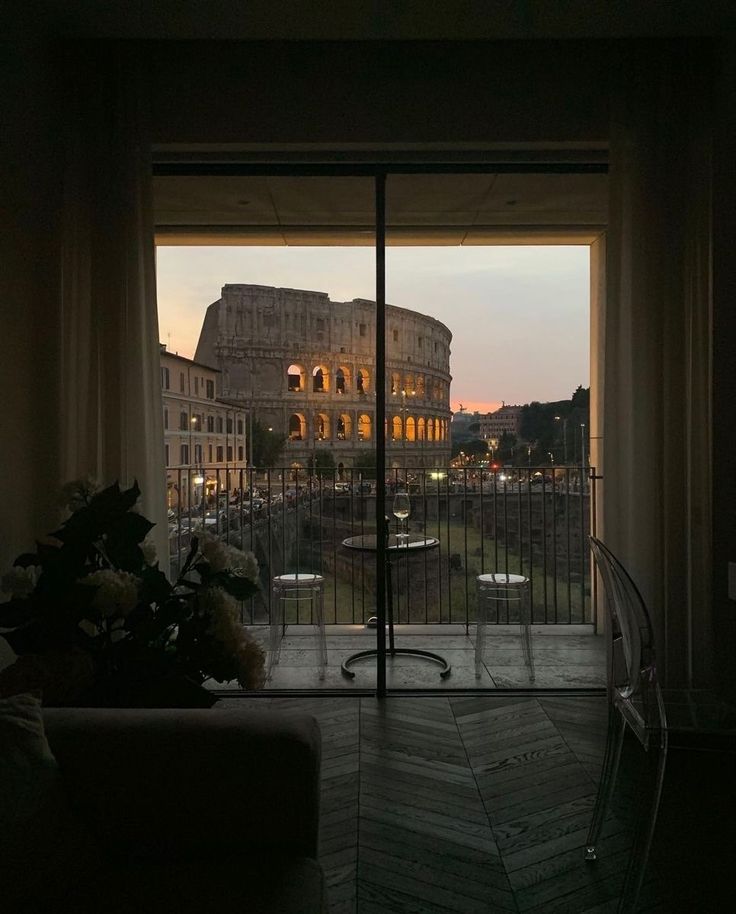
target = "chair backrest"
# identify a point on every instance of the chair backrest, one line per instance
(632, 668)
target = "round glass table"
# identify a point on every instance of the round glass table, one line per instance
(397, 547)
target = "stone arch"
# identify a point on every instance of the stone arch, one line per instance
(410, 384)
(296, 378)
(362, 381)
(396, 430)
(365, 427)
(322, 427)
(411, 428)
(430, 429)
(344, 427)
(421, 429)
(342, 380)
(395, 385)
(419, 385)
(320, 379)
(297, 427)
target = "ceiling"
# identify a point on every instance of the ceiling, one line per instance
(444, 209)
(377, 19)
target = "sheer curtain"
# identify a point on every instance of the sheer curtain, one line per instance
(109, 384)
(656, 334)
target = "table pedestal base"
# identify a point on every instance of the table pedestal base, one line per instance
(412, 652)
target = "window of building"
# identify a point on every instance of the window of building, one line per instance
(210, 389)
(220, 452)
(166, 453)
(318, 381)
(210, 424)
(229, 452)
(196, 386)
(240, 426)
(209, 453)
(229, 425)
(182, 385)
(198, 453)
(184, 454)
(363, 329)
(240, 452)
(165, 380)
(219, 424)
(396, 336)
(166, 418)
(183, 422)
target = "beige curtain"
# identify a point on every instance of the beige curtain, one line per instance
(655, 451)
(109, 386)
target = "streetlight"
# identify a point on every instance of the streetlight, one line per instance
(582, 445)
(564, 435)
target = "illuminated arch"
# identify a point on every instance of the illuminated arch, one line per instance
(365, 427)
(322, 427)
(295, 378)
(362, 381)
(344, 427)
(421, 429)
(396, 431)
(411, 429)
(320, 379)
(342, 380)
(297, 427)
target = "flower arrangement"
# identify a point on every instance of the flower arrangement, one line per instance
(94, 589)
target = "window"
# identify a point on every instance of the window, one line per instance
(182, 386)
(220, 452)
(219, 424)
(166, 452)
(318, 381)
(396, 336)
(198, 453)
(240, 452)
(229, 452)
(210, 453)
(363, 329)
(210, 424)
(183, 422)
(229, 425)
(240, 426)
(166, 418)
(165, 380)
(184, 454)
(210, 389)
(419, 342)
(196, 386)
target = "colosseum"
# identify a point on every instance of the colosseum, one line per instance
(307, 366)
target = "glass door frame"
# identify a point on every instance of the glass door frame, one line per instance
(192, 165)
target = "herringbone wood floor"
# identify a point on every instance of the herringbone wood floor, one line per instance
(462, 804)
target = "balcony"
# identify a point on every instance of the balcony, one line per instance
(532, 521)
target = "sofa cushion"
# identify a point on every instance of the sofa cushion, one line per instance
(44, 850)
(258, 883)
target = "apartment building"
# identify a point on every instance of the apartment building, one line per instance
(204, 437)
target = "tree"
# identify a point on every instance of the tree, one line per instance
(473, 448)
(365, 465)
(322, 463)
(266, 446)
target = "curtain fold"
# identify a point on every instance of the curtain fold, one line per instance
(656, 423)
(109, 384)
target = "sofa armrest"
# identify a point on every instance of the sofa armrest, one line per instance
(183, 784)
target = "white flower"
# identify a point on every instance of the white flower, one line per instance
(244, 563)
(222, 557)
(214, 551)
(148, 547)
(20, 582)
(226, 628)
(117, 591)
(77, 493)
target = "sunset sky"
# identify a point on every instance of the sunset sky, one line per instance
(519, 315)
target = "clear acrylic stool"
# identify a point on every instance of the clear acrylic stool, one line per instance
(299, 586)
(513, 591)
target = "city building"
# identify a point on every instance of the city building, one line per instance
(306, 366)
(504, 420)
(204, 437)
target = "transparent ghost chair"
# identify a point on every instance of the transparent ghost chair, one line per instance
(298, 587)
(634, 701)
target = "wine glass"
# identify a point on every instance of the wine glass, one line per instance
(401, 510)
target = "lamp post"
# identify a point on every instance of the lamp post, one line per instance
(564, 436)
(582, 446)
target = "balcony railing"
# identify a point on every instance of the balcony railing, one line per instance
(533, 521)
